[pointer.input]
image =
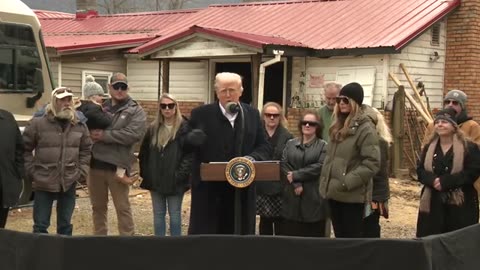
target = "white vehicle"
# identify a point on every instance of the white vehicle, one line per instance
(24, 70)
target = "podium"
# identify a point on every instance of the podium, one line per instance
(240, 172)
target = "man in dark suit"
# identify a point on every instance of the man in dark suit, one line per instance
(212, 206)
(11, 164)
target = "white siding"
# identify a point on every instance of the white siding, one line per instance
(188, 80)
(143, 79)
(416, 58)
(329, 68)
(72, 72)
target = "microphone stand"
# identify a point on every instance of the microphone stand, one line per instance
(238, 198)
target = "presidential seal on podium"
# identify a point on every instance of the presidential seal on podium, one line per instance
(240, 172)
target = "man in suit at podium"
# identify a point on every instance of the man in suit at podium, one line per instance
(219, 135)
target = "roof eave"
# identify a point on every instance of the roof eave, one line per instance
(355, 51)
(76, 49)
(425, 27)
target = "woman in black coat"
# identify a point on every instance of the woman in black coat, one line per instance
(448, 166)
(165, 166)
(269, 194)
(11, 164)
(303, 210)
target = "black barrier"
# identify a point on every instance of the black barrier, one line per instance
(24, 251)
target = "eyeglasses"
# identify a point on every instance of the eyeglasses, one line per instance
(170, 106)
(309, 123)
(120, 86)
(453, 102)
(342, 99)
(272, 115)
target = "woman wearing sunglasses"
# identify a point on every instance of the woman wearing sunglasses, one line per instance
(353, 158)
(303, 210)
(165, 166)
(269, 199)
(448, 166)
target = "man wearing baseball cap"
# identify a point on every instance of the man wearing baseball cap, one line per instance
(62, 147)
(112, 157)
(457, 100)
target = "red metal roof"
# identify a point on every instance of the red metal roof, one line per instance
(108, 30)
(316, 24)
(83, 42)
(47, 14)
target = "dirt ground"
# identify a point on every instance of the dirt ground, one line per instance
(401, 224)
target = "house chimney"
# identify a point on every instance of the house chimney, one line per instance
(86, 9)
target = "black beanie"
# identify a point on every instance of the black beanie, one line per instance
(448, 114)
(354, 91)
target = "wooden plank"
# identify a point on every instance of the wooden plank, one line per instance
(398, 118)
(424, 115)
(415, 91)
(256, 60)
(165, 75)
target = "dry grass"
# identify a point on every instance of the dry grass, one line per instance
(402, 222)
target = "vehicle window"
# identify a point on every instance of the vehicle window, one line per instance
(19, 58)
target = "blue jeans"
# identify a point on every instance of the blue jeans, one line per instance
(42, 210)
(160, 203)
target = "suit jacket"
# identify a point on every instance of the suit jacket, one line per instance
(212, 210)
(11, 160)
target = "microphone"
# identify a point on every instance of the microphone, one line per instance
(232, 107)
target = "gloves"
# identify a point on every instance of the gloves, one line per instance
(249, 158)
(196, 137)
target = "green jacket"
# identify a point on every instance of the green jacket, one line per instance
(326, 120)
(350, 165)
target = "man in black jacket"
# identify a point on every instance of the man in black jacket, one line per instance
(11, 164)
(212, 205)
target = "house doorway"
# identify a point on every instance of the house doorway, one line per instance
(244, 70)
(274, 80)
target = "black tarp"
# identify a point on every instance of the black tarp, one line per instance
(24, 251)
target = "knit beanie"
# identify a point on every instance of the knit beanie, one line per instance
(448, 114)
(457, 95)
(92, 88)
(354, 91)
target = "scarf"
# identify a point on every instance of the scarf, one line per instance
(456, 196)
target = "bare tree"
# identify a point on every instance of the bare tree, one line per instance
(117, 6)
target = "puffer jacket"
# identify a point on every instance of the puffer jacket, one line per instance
(305, 162)
(351, 164)
(62, 156)
(97, 118)
(127, 128)
(166, 170)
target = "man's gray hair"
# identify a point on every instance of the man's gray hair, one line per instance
(332, 85)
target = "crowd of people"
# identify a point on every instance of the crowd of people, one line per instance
(334, 172)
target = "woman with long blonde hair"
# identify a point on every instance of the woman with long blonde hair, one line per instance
(165, 166)
(353, 158)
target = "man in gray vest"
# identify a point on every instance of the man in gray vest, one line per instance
(331, 91)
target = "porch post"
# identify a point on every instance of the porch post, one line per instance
(256, 60)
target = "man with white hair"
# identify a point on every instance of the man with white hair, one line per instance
(62, 148)
(220, 135)
(331, 91)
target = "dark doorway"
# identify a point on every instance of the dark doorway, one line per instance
(273, 90)
(244, 70)
(274, 83)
